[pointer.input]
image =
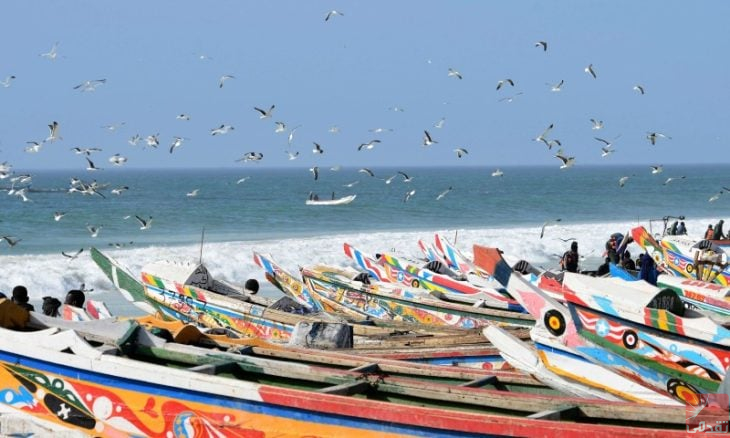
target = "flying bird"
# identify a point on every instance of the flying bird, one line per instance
(715, 197)
(119, 190)
(192, 194)
(242, 180)
(543, 137)
(454, 73)
(406, 178)
(390, 179)
(568, 162)
(371, 144)
(557, 87)
(509, 99)
(444, 193)
(622, 181)
(152, 140)
(597, 124)
(350, 184)
(654, 136)
(590, 70)
(317, 148)
(93, 230)
(639, 88)
(264, 113)
(670, 179)
(10, 240)
(333, 13)
(656, 169)
(144, 224)
(427, 140)
(366, 170)
(542, 44)
(182, 117)
(315, 172)
(334, 130)
(505, 81)
(409, 195)
(134, 140)
(223, 79)
(292, 155)
(440, 123)
(280, 127)
(291, 134)
(606, 151)
(72, 256)
(498, 172)
(53, 132)
(117, 160)
(6, 82)
(90, 85)
(542, 230)
(252, 156)
(91, 167)
(34, 147)
(85, 151)
(51, 54)
(57, 216)
(460, 152)
(176, 143)
(222, 129)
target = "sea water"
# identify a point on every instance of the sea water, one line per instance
(267, 213)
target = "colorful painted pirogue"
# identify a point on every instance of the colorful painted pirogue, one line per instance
(710, 297)
(135, 384)
(687, 258)
(639, 349)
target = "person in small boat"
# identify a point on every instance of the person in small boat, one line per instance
(333, 196)
(569, 261)
(20, 297)
(75, 298)
(681, 229)
(709, 233)
(604, 268)
(626, 261)
(718, 234)
(51, 306)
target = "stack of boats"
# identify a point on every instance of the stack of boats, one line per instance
(389, 345)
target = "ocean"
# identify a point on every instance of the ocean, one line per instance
(267, 213)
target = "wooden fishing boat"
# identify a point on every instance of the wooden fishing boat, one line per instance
(120, 380)
(640, 352)
(703, 295)
(339, 201)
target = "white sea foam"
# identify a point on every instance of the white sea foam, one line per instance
(232, 261)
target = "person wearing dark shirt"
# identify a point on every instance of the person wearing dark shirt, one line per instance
(20, 297)
(604, 268)
(718, 234)
(75, 298)
(569, 262)
(627, 262)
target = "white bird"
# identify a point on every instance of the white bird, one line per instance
(542, 44)
(427, 139)
(366, 170)
(409, 195)
(94, 230)
(152, 140)
(223, 79)
(51, 54)
(10, 240)
(292, 155)
(567, 161)
(21, 193)
(444, 193)
(91, 167)
(509, 99)
(119, 190)
(57, 216)
(542, 230)
(252, 156)
(85, 151)
(639, 88)
(6, 82)
(654, 136)
(114, 127)
(453, 73)
(379, 130)
(715, 197)
(144, 224)
(53, 132)
(242, 180)
(656, 169)
(670, 179)
(501, 83)
(264, 113)
(72, 256)
(334, 130)
(350, 184)
(133, 140)
(333, 13)
(90, 85)
(315, 172)
(280, 127)
(369, 145)
(291, 134)
(34, 147)
(460, 152)
(222, 129)
(440, 123)
(543, 137)
(389, 179)
(590, 70)
(557, 87)
(597, 124)
(498, 172)
(606, 151)
(117, 160)
(176, 143)
(192, 194)
(317, 148)
(406, 178)
(622, 181)
(336, 168)
(182, 117)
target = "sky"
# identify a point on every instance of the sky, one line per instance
(376, 64)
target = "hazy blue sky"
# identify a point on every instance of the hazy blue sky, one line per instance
(352, 70)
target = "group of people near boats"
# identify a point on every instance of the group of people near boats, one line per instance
(716, 233)
(74, 297)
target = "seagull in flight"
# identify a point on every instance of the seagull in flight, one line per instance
(670, 179)
(568, 162)
(117, 160)
(505, 81)
(427, 140)
(91, 167)
(57, 216)
(656, 169)
(350, 184)
(33, 147)
(622, 181)
(264, 113)
(440, 123)
(454, 73)
(89, 85)
(542, 44)
(182, 117)
(152, 140)
(444, 193)
(498, 172)
(653, 136)
(119, 190)
(542, 230)
(315, 172)
(85, 151)
(509, 99)
(639, 88)
(406, 178)
(366, 170)
(557, 87)
(333, 13)
(334, 130)
(409, 195)
(242, 180)
(390, 179)
(53, 132)
(371, 144)
(606, 151)
(597, 124)
(280, 127)
(192, 194)
(223, 79)
(292, 155)
(72, 256)
(590, 70)
(291, 134)
(317, 148)
(51, 54)
(222, 129)
(144, 224)
(715, 197)
(6, 82)
(460, 152)
(543, 137)
(251, 156)
(93, 230)
(176, 143)
(134, 140)
(11, 241)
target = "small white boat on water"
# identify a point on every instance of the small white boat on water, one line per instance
(339, 201)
